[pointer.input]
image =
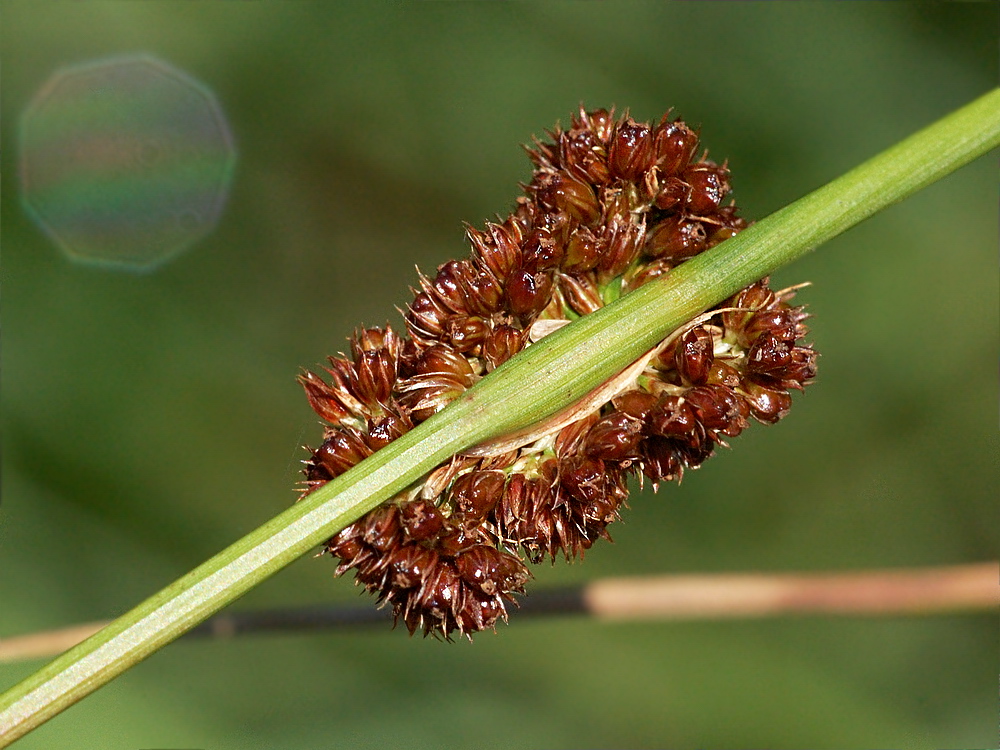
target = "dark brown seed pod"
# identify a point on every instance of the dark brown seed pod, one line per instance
(675, 144)
(693, 356)
(676, 238)
(614, 438)
(631, 150)
(709, 185)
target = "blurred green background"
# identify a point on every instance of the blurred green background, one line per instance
(150, 420)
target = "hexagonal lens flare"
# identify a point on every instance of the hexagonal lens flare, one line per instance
(125, 162)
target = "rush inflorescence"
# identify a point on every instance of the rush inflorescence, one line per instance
(612, 204)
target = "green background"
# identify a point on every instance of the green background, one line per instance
(150, 420)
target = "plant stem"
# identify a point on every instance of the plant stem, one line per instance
(950, 589)
(542, 380)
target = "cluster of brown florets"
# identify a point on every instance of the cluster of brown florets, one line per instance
(612, 204)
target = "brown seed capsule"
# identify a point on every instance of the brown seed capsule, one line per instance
(421, 520)
(614, 438)
(716, 407)
(382, 529)
(693, 355)
(769, 355)
(373, 376)
(441, 360)
(564, 193)
(476, 493)
(342, 449)
(622, 242)
(767, 405)
(503, 343)
(540, 251)
(426, 317)
(709, 186)
(778, 322)
(440, 597)
(671, 417)
(580, 293)
(447, 284)
(583, 251)
(490, 570)
(661, 459)
(410, 565)
(528, 291)
(675, 144)
(583, 478)
(600, 122)
(466, 332)
(673, 193)
(324, 399)
(583, 155)
(676, 238)
(481, 291)
(722, 374)
(801, 369)
(636, 404)
(347, 543)
(631, 150)
(385, 430)
(497, 249)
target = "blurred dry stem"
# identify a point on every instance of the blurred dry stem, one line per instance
(914, 591)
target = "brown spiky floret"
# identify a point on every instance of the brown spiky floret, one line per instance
(612, 204)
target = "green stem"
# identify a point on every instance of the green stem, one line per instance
(539, 382)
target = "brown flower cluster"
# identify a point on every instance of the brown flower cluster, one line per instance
(612, 204)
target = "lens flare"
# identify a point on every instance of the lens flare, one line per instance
(125, 161)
